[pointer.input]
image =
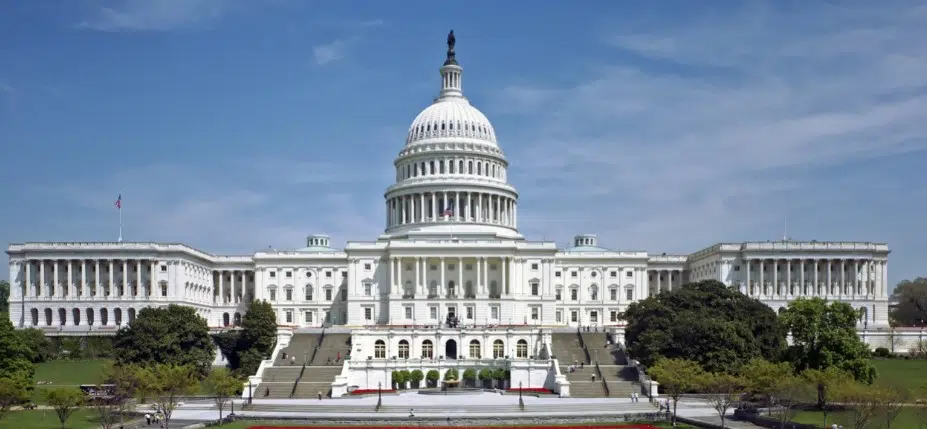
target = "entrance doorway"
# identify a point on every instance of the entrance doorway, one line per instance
(450, 349)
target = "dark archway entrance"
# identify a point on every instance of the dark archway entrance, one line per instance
(450, 349)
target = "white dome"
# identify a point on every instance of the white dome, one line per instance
(451, 117)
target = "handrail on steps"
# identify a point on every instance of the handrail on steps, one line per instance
(296, 383)
(318, 345)
(598, 370)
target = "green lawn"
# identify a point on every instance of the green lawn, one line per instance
(47, 419)
(909, 374)
(70, 372)
(908, 419)
(248, 424)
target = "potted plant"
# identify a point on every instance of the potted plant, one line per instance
(485, 376)
(416, 376)
(469, 376)
(451, 375)
(432, 376)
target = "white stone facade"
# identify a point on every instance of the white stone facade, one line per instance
(451, 245)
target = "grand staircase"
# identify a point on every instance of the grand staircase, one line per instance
(506, 405)
(316, 380)
(569, 349)
(277, 382)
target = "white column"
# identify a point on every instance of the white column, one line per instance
(747, 266)
(830, 282)
(30, 291)
(884, 287)
(788, 276)
(460, 286)
(775, 269)
(83, 278)
(457, 216)
(125, 277)
(467, 217)
(152, 276)
(96, 280)
(505, 275)
(138, 278)
(55, 279)
(801, 277)
(843, 276)
(817, 286)
(418, 274)
(762, 289)
(442, 267)
(221, 275)
(70, 279)
(112, 275)
(867, 287)
(479, 207)
(479, 276)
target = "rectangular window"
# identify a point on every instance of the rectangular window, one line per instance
(289, 274)
(629, 294)
(534, 289)
(469, 313)
(558, 297)
(308, 294)
(164, 268)
(289, 316)
(450, 267)
(559, 316)
(574, 294)
(574, 316)
(344, 274)
(367, 289)
(494, 313)
(344, 294)
(469, 267)
(368, 313)
(328, 274)
(309, 317)
(594, 316)
(613, 316)
(613, 294)
(433, 312)
(534, 267)
(367, 267)
(273, 295)
(535, 313)
(273, 274)
(573, 274)
(629, 274)
(613, 274)
(408, 312)
(289, 294)
(328, 294)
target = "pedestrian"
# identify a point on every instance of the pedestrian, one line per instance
(593, 376)
(147, 419)
(411, 412)
(320, 396)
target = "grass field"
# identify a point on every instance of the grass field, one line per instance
(909, 374)
(908, 419)
(47, 419)
(603, 425)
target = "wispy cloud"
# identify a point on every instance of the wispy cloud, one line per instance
(328, 53)
(336, 50)
(156, 15)
(722, 126)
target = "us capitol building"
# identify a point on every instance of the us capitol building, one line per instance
(451, 250)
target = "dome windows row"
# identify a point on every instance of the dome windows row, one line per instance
(451, 129)
(489, 169)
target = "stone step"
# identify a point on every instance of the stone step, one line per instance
(620, 408)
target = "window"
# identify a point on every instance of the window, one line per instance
(470, 313)
(534, 288)
(736, 267)
(328, 274)
(572, 273)
(535, 313)
(559, 296)
(469, 267)
(403, 349)
(309, 317)
(164, 268)
(594, 293)
(308, 292)
(534, 267)
(273, 274)
(521, 349)
(368, 313)
(433, 312)
(289, 294)
(629, 274)
(408, 312)
(613, 316)
(613, 274)
(428, 349)
(344, 274)
(289, 274)
(273, 295)
(344, 294)
(492, 267)
(475, 349)
(289, 316)
(367, 289)
(434, 268)
(593, 274)
(613, 294)
(309, 274)
(367, 268)
(574, 316)
(559, 316)
(498, 349)
(574, 294)
(629, 294)
(557, 274)
(450, 267)
(379, 350)
(594, 316)
(494, 313)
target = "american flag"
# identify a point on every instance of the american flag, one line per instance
(449, 211)
(119, 202)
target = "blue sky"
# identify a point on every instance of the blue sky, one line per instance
(665, 126)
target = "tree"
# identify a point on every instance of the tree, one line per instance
(862, 401)
(485, 376)
(222, 386)
(677, 376)
(789, 391)
(120, 384)
(417, 376)
(65, 402)
(763, 377)
(165, 384)
(12, 392)
(707, 322)
(40, 347)
(469, 375)
(257, 338)
(824, 335)
(724, 389)
(173, 335)
(911, 296)
(14, 357)
(891, 401)
(4, 296)
(825, 382)
(398, 379)
(451, 375)
(433, 376)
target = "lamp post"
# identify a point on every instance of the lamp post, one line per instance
(249, 392)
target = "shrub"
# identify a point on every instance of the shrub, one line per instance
(433, 377)
(882, 352)
(451, 375)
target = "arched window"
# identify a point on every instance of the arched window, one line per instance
(475, 349)
(594, 292)
(48, 316)
(403, 349)
(131, 315)
(62, 316)
(117, 315)
(104, 317)
(451, 292)
(90, 318)
(498, 349)
(237, 319)
(428, 350)
(521, 349)
(433, 289)
(75, 316)
(35, 316)
(309, 292)
(225, 319)
(379, 350)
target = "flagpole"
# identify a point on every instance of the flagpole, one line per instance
(120, 223)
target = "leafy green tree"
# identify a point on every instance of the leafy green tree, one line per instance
(432, 376)
(789, 391)
(165, 384)
(399, 380)
(12, 392)
(4, 296)
(677, 376)
(417, 376)
(485, 376)
(824, 335)
(763, 377)
(451, 375)
(65, 402)
(40, 347)
(826, 382)
(15, 363)
(469, 375)
(257, 338)
(911, 296)
(707, 322)
(122, 382)
(724, 391)
(222, 386)
(173, 335)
